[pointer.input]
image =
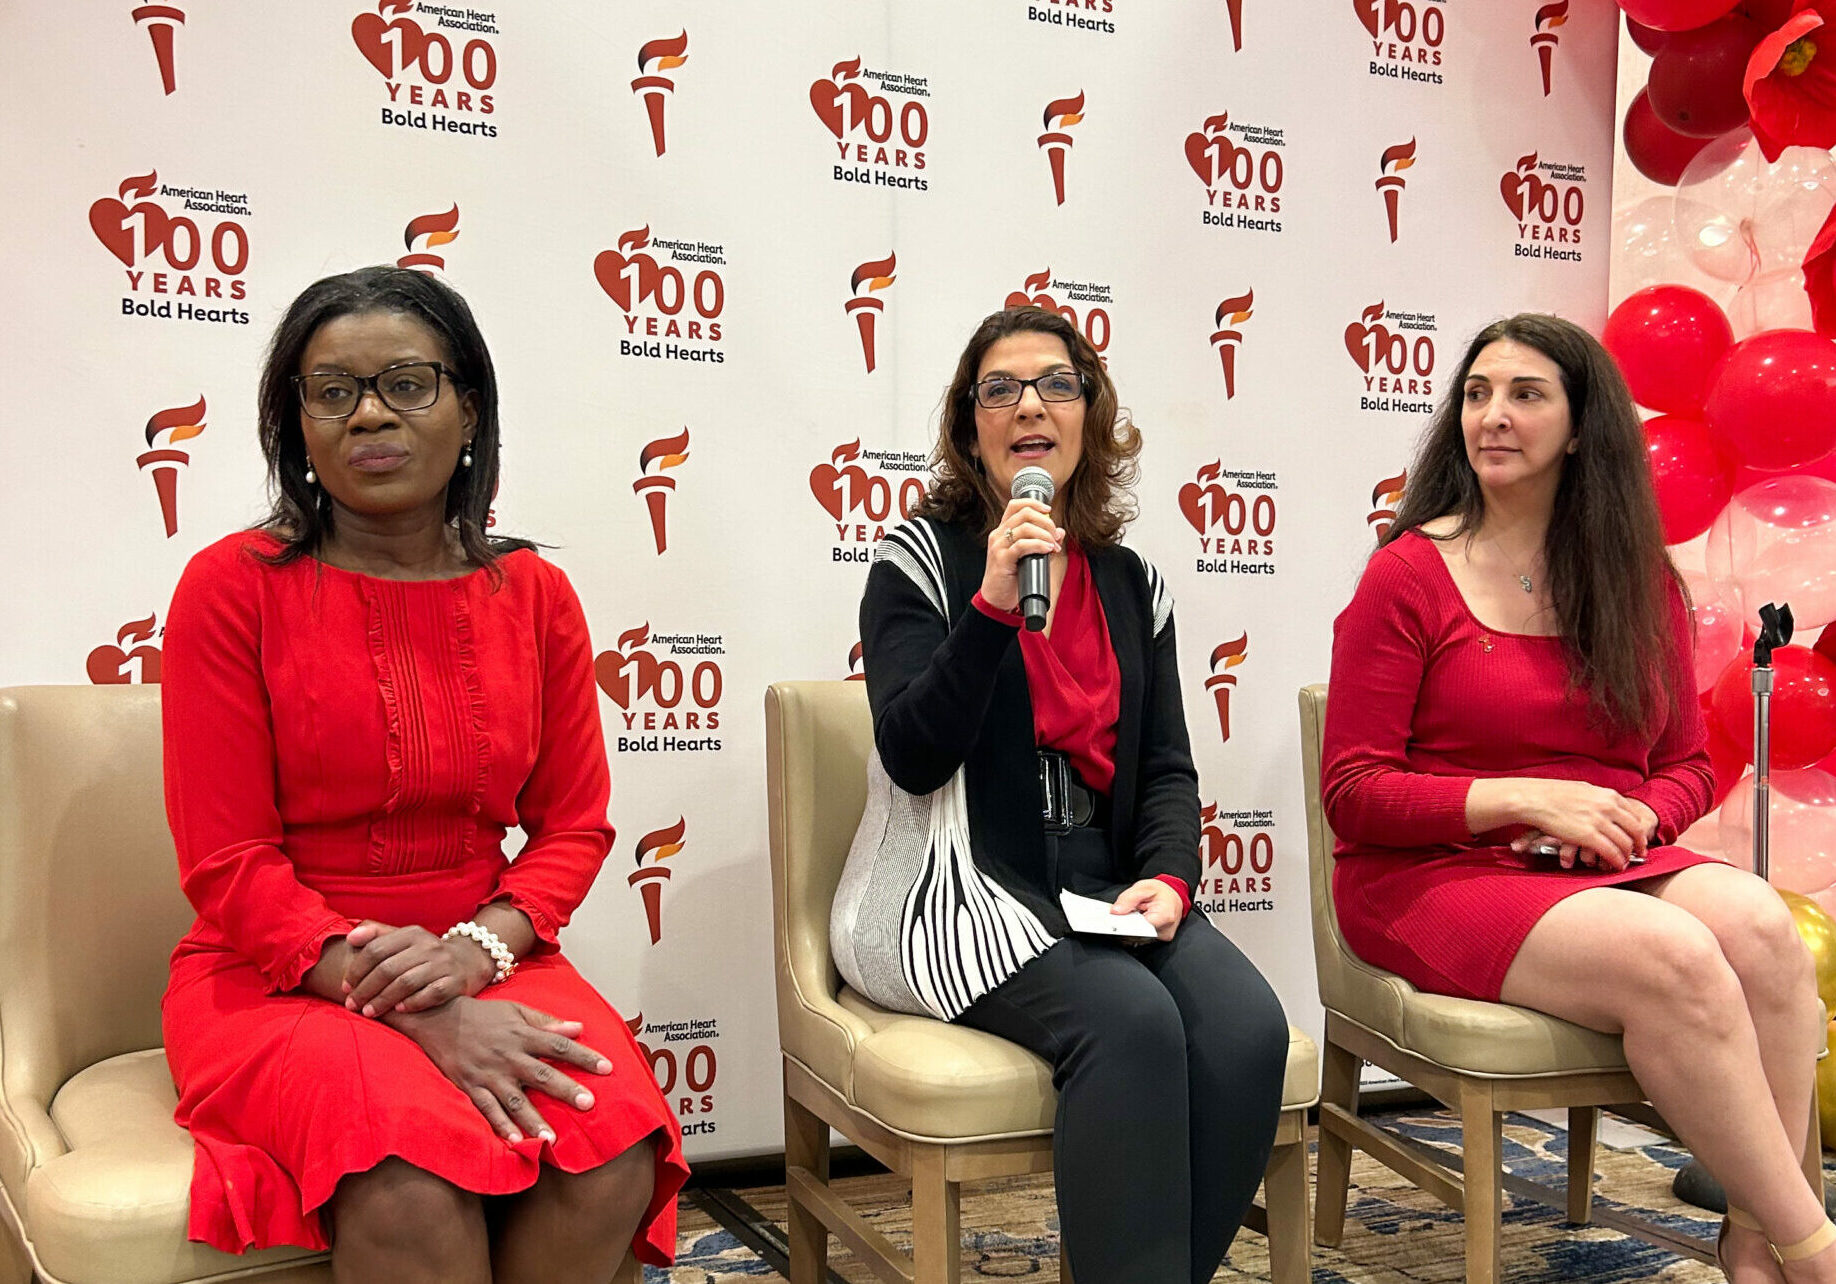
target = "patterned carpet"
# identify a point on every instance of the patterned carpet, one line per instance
(1393, 1234)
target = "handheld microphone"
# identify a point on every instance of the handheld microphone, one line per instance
(1035, 568)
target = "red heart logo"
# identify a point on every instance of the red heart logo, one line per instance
(1192, 504)
(1201, 155)
(1511, 187)
(1367, 14)
(826, 485)
(609, 271)
(1357, 335)
(105, 666)
(108, 220)
(826, 98)
(371, 34)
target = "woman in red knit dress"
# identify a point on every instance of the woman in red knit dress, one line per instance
(1513, 673)
(376, 1042)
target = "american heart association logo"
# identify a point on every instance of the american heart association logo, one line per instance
(609, 268)
(1199, 502)
(1367, 335)
(828, 96)
(1513, 184)
(109, 219)
(826, 480)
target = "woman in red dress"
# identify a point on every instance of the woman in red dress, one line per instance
(376, 1042)
(1513, 674)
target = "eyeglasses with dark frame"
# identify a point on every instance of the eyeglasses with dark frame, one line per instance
(413, 385)
(1001, 391)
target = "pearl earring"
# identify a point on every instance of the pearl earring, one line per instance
(465, 460)
(312, 478)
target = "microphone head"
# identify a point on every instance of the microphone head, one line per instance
(1033, 482)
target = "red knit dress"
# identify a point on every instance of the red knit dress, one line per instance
(1425, 699)
(341, 747)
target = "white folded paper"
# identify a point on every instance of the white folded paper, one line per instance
(1092, 917)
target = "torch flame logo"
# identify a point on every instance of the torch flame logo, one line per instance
(136, 630)
(1231, 653)
(663, 55)
(877, 274)
(1238, 309)
(1223, 681)
(1548, 18)
(845, 70)
(1526, 164)
(139, 186)
(637, 637)
(661, 844)
(665, 452)
(1067, 111)
(1038, 281)
(1231, 313)
(1060, 115)
(855, 674)
(1385, 495)
(636, 239)
(865, 308)
(432, 230)
(1399, 157)
(182, 422)
(654, 58)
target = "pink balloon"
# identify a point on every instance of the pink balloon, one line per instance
(1776, 542)
(1771, 301)
(1802, 833)
(1718, 628)
(1693, 479)
(1772, 398)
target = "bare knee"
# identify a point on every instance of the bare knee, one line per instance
(620, 1186)
(1761, 942)
(1679, 978)
(396, 1206)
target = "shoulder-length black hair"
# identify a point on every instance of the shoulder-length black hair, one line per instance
(1609, 574)
(301, 513)
(1096, 500)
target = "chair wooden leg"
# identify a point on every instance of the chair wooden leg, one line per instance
(1339, 1086)
(630, 1271)
(1482, 1142)
(1583, 1128)
(1284, 1190)
(937, 1237)
(806, 1145)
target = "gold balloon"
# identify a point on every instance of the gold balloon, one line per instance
(1826, 1092)
(1819, 932)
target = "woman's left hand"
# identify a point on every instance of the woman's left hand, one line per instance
(1570, 854)
(1158, 903)
(410, 969)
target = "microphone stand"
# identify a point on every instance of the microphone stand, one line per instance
(1694, 1184)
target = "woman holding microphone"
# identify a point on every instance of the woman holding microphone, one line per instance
(1014, 763)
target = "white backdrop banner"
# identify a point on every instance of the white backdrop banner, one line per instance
(726, 256)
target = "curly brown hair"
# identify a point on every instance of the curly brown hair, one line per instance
(1096, 502)
(1609, 574)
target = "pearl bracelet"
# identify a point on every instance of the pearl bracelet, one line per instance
(488, 941)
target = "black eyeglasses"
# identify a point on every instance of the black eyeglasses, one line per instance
(1002, 391)
(413, 386)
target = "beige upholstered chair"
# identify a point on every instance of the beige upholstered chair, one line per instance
(94, 1175)
(938, 1103)
(1479, 1059)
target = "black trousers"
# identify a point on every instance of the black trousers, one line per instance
(1168, 1059)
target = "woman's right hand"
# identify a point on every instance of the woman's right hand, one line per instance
(1596, 825)
(494, 1049)
(1025, 527)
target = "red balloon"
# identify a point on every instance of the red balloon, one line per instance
(1727, 760)
(1803, 706)
(1693, 479)
(1656, 150)
(1667, 339)
(1695, 84)
(1826, 643)
(1650, 39)
(1772, 399)
(1769, 14)
(1675, 15)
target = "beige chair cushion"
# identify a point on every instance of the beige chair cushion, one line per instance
(1462, 1034)
(113, 1207)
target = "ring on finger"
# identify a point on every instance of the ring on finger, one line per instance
(1010, 535)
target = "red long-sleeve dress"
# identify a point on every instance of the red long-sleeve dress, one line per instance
(1424, 700)
(341, 747)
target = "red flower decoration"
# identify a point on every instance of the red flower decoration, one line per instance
(1820, 278)
(1791, 82)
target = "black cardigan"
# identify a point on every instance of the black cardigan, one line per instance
(955, 694)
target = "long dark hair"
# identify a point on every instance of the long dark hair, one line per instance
(1097, 503)
(301, 513)
(1609, 574)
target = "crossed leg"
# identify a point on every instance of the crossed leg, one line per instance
(1703, 975)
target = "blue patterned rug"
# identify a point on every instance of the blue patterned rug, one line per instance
(1393, 1232)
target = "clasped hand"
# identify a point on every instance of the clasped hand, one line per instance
(410, 969)
(1598, 827)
